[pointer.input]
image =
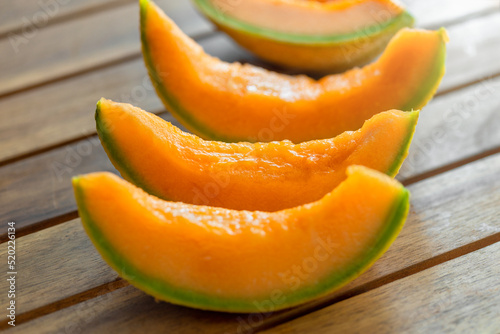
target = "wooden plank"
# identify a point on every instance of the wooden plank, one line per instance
(130, 311)
(468, 118)
(65, 110)
(449, 211)
(55, 263)
(87, 42)
(460, 296)
(24, 15)
(448, 11)
(46, 180)
(55, 118)
(472, 52)
(455, 126)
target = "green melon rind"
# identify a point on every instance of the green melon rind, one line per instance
(431, 84)
(404, 19)
(405, 146)
(169, 292)
(117, 158)
(168, 99)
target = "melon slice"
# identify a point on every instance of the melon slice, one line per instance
(178, 166)
(234, 102)
(312, 35)
(241, 261)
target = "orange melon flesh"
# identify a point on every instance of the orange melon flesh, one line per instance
(321, 58)
(235, 102)
(178, 166)
(306, 17)
(322, 36)
(239, 261)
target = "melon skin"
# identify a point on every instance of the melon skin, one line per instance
(235, 102)
(101, 195)
(432, 81)
(313, 53)
(174, 165)
(321, 58)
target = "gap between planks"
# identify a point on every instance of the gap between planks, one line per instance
(460, 296)
(414, 269)
(59, 19)
(446, 168)
(467, 84)
(67, 302)
(99, 66)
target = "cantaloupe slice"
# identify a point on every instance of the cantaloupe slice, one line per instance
(234, 102)
(178, 166)
(241, 261)
(312, 35)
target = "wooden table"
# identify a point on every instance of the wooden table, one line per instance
(441, 275)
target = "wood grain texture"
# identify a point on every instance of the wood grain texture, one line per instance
(130, 311)
(459, 296)
(53, 264)
(472, 53)
(455, 126)
(19, 16)
(38, 188)
(445, 12)
(64, 110)
(87, 42)
(449, 211)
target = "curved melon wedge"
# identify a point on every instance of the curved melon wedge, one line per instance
(234, 102)
(241, 261)
(178, 166)
(311, 35)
